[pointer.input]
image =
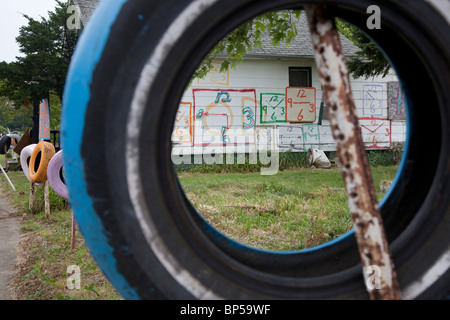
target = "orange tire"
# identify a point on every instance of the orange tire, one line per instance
(37, 169)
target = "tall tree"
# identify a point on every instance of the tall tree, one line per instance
(14, 118)
(47, 45)
(280, 27)
(370, 61)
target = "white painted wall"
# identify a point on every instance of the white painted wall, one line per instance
(224, 112)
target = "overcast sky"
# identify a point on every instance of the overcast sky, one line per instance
(11, 20)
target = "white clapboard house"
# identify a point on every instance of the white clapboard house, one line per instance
(274, 100)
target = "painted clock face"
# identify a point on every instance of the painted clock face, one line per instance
(273, 108)
(300, 104)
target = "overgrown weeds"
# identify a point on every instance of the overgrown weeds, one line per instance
(296, 208)
(45, 250)
(292, 210)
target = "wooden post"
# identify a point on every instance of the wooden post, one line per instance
(32, 192)
(46, 200)
(6, 158)
(35, 130)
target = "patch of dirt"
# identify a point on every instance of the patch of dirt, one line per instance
(9, 237)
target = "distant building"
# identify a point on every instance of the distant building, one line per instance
(273, 100)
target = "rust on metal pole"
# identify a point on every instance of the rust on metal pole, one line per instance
(369, 231)
(74, 228)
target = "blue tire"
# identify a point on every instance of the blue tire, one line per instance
(129, 72)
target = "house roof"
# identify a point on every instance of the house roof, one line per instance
(87, 7)
(301, 47)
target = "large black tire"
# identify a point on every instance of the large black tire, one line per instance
(128, 74)
(5, 144)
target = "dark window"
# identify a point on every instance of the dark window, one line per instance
(300, 77)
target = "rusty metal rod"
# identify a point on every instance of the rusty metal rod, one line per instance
(369, 231)
(74, 233)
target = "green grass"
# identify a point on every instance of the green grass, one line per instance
(45, 250)
(292, 210)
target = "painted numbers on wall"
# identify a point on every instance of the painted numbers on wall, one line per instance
(290, 136)
(396, 101)
(266, 138)
(373, 100)
(311, 136)
(376, 132)
(300, 104)
(215, 76)
(224, 116)
(273, 108)
(182, 132)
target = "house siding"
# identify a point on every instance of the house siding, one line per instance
(246, 89)
(265, 73)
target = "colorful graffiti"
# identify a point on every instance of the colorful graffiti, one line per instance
(215, 77)
(376, 132)
(182, 132)
(224, 116)
(311, 136)
(272, 108)
(396, 101)
(300, 104)
(373, 100)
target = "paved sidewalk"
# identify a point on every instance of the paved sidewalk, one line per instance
(9, 238)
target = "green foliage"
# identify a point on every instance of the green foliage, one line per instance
(13, 118)
(278, 25)
(380, 157)
(287, 160)
(370, 61)
(47, 46)
(19, 118)
(345, 28)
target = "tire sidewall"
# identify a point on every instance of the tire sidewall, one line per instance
(54, 169)
(5, 143)
(182, 230)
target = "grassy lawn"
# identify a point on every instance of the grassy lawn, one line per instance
(45, 250)
(292, 210)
